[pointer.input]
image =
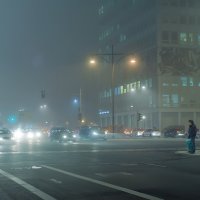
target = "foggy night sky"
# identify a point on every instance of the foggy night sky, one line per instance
(44, 44)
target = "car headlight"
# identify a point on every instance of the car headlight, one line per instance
(38, 134)
(74, 136)
(17, 134)
(64, 136)
(1, 139)
(30, 135)
(95, 133)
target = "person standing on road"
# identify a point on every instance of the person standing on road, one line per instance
(192, 131)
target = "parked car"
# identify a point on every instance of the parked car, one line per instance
(156, 134)
(5, 134)
(147, 133)
(174, 131)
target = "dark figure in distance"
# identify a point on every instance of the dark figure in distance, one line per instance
(192, 131)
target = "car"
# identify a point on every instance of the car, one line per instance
(5, 134)
(26, 134)
(147, 133)
(61, 134)
(174, 131)
(91, 133)
(139, 133)
(156, 134)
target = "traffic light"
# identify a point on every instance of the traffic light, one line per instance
(43, 94)
(12, 119)
(139, 117)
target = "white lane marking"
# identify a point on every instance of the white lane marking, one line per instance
(129, 164)
(126, 174)
(55, 181)
(105, 184)
(91, 151)
(101, 174)
(36, 167)
(27, 186)
(152, 164)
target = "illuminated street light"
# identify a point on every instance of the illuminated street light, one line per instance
(82, 121)
(112, 56)
(92, 62)
(75, 101)
(132, 61)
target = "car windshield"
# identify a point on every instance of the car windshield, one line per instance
(100, 99)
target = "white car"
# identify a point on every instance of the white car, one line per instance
(156, 134)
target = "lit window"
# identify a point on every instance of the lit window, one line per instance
(184, 81)
(191, 38)
(166, 100)
(191, 82)
(183, 38)
(174, 84)
(101, 10)
(165, 84)
(128, 87)
(174, 99)
(138, 84)
(121, 90)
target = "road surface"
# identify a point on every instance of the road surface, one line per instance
(139, 169)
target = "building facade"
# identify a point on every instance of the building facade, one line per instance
(164, 84)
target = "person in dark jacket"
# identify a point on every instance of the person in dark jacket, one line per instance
(192, 132)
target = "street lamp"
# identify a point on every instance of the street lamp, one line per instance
(132, 61)
(92, 61)
(112, 55)
(79, 102)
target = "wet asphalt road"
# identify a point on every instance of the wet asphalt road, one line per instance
(114, 169)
